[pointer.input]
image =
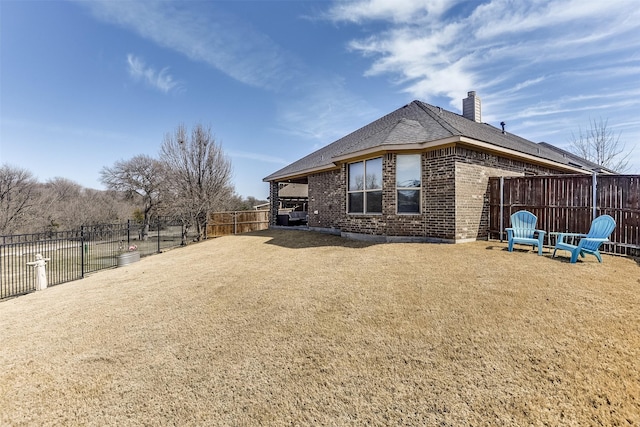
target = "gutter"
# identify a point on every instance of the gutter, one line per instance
(453, 140)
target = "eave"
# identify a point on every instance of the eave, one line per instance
(432, 145)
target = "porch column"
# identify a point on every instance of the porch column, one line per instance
(274, 202)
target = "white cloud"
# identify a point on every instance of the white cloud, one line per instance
(543, 67)
(203, 34)
(161, 80)
(499, 18)
(498, 42)
(393, 10)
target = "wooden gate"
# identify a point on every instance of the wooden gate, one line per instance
(236, 222)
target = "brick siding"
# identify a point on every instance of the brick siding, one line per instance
(455, 201)
(439, 188)
(273, 198)
(472, 172)
(327, 199)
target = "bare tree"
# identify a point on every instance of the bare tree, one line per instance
(18, 198)
(103, 207)
(601, 145)
(61, 205)
(198, 175)
(142, 176)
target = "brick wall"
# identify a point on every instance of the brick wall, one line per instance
(472, 199)
(397, 224)
(373, 224)
(273, 200)
(455, 202)
(439, 193)
(327, 199)
(388, 223)
(472, 172)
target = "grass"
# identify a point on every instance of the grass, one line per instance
(295, 328)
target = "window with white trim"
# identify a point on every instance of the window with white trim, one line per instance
(408, 182)
(364, 192)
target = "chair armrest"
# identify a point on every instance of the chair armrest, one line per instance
(540, 232)
(561, 236)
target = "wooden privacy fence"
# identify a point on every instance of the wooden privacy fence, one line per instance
(226, 223)
(569, 203)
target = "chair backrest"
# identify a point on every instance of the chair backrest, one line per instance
(601, 228)
(523, 224)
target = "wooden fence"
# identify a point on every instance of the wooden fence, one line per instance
(569, 203)
(226, 223)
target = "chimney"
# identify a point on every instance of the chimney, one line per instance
(471, 107)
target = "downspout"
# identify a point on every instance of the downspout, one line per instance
(594, 186)
(501, 207)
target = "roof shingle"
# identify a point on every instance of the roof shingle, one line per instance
(417, 123)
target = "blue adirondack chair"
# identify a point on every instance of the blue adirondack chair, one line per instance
(601, 229)
(523, 231)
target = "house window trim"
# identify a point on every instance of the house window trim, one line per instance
(364, 191)
(419, 189)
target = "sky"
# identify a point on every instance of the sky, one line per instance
(84, 84)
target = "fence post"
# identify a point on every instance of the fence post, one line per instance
(158, 225)
(128, 233)
(594, 179)
(235, 222)
(82, 243)
(501, 207)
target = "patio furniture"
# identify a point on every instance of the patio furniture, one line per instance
(298, 217)
(601, 229)
(523, 231)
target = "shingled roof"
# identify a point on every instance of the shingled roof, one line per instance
(418, 123)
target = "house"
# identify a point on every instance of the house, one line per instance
(419, 173)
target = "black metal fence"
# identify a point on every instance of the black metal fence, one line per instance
(72, 254)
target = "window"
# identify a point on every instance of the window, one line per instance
(364, 194)
(408, 182)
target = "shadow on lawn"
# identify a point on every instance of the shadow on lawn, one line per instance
(300, 239)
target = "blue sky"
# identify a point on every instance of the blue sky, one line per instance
(86, 83)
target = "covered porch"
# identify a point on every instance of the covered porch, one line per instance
(290, 203)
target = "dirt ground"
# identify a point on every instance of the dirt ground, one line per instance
(286, 327)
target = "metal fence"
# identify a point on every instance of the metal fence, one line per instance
(73, 254)
(568, 203)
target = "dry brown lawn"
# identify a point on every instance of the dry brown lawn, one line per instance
(288, 327)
